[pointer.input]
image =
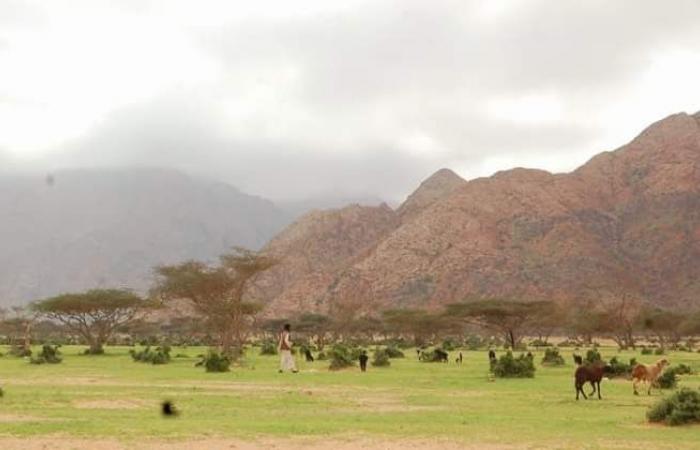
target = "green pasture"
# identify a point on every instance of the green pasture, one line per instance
(111, 396)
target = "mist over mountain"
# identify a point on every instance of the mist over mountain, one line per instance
(79, 229)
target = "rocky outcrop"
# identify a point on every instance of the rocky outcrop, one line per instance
(628, 220)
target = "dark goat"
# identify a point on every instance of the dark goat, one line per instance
(593, 374)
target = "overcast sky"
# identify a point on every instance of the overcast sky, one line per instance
(298, 98)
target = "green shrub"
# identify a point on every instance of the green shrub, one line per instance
(450, 345)
(322, 356)
(660, 351)
(647, 351)
(683, 406)
(509, 367)
(268, 348)
(342, 356)
(540, 343)
(667, 380)
(161, 355)
(617, 368)
(552, 357)
(215, 362)
(381, 359)
(431, 356)
(592, 356)
(393, 352)
(20, 351)
(683, 369)
(49, 355)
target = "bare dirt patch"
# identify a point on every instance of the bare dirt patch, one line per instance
(108, 404)
(260, 444)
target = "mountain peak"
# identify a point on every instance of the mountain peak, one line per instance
(436, 186)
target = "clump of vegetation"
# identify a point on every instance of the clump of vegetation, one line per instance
(213, 361)
(592, 357)
(683, 369)
(667, 380)
(683, 406)
(49, 355)
(450, 345)
(552, 357)
(268, 348)
(381, 359)
(647, 351)
(342, 356)
(431, 356)
(161, 355)
(322, 356)
(508, 366)
(616, 368)
(540, 343)
(20, 351)
(393, 352)
(660, 351)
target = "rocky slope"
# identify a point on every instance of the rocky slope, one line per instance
(627, 221)
(88, 228)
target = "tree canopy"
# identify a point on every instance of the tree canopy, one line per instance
(94, 314)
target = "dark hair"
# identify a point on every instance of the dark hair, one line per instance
(287, 327)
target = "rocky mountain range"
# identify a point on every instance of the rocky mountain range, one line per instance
(625, 223)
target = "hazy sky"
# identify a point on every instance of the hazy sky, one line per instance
(294, 98)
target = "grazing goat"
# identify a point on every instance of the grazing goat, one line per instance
(593, 374)
(309, 357)
(647, 373)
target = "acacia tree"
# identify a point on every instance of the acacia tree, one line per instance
(18, 323)
(507, 317)
(218, 292)
(316, 326)
(662, 323)
(95, 315)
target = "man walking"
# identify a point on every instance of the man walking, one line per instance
(284, 346)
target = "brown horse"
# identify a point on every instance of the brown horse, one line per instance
(648, 374)
(592, 373)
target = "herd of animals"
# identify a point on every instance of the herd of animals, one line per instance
(590, 373)
(593, 374)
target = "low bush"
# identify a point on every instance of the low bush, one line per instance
(213, 361)
(393, 352)
(540, 343)
(616, 368)
(436, 355)
(508, 366)
(667, 380)
(321, 356)
(20, 351)
(161, 355)
(341, 357)
(380, 359)
(49, 355)
(660, 351)
(647, 351)
(592, 356)
(552, 357)
(450, 345)
(684, 369)
(682, 407)
(268, 348)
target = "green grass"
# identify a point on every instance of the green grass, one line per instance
(113, 397)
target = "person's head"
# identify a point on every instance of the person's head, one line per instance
(287, 327)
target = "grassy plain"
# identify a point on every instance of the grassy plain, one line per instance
(111, 397)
